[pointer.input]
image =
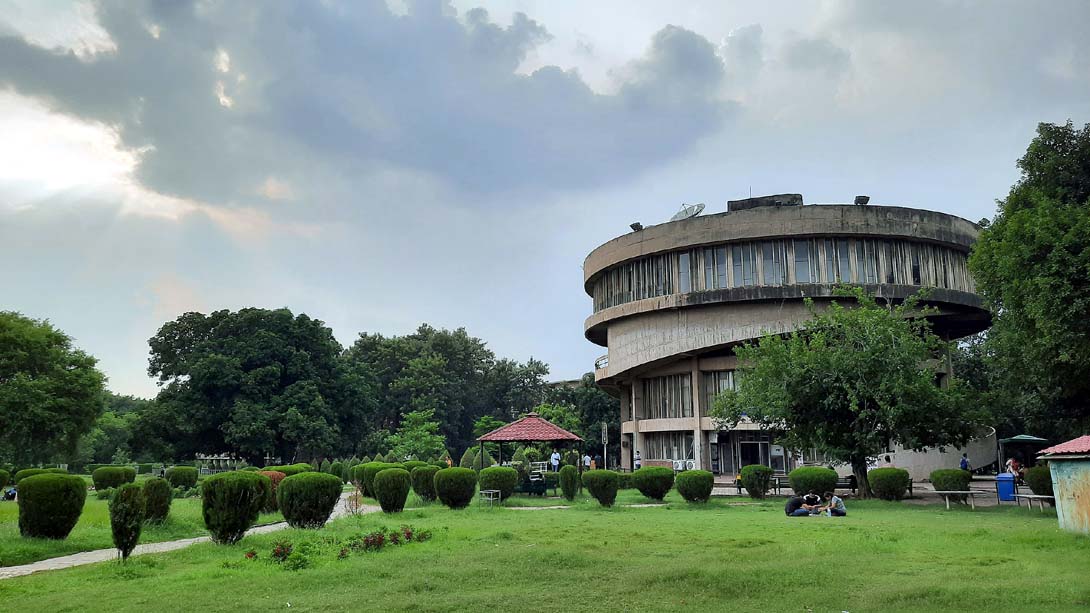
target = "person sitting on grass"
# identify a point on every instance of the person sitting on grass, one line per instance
(835, 507)
(795, 507)
(812, 503)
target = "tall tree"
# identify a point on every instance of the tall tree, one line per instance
(50, 392)
(418, 436)
(594, 408)
(1032, 265)
(849, 383)
(251, 382)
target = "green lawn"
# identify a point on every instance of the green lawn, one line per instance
(727, 555)
(93, 530)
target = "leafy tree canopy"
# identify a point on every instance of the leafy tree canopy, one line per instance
(853, 380)
(1032, 265)
(418, 436)
(50, 392)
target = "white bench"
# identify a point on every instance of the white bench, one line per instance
(970, 494)
(1031, 497)
(490, 495)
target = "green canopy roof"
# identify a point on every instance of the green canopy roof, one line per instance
(1023, 438)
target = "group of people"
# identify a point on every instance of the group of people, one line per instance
(811, 504)
(1015, 467)
(589, 463)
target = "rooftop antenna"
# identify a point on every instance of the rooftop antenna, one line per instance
(687, 211)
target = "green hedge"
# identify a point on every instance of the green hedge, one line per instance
(411, 464)
(291, 469)
(128, 508)
(5, 478)
(391, 489)
(30, 472)
(757, 479)
(423, 478)
(653, 481)
(624, 481)
(157, 496)
(50, 505)
(275, 477)
(468, 457)
(369, 471)
(307, 499)
(455, 486)
(231, 502)
(337, 470)
(1039, 480)
(816, 479)
(951, 479)
(889, 483)
(182, 476)
(569, 481)
(602, 484)
(144, 468)
(113, 476)
(500, 478)
(695, 485)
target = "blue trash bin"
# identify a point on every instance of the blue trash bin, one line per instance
(1004, 487)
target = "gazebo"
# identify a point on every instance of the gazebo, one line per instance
(1024, 445)
(532, 428)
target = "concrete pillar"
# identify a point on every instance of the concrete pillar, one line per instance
(696, 386)
(626, 415)
(637, 414)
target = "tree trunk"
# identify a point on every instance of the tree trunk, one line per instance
(859, 469)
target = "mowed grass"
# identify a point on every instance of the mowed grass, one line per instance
(727, 555)
(93, 530)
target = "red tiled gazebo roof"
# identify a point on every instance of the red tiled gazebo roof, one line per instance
(1078, 445)
(529, 429)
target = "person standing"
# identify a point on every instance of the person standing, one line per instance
(964, 465)
(555, 460)
(637, 462)
(586, 461)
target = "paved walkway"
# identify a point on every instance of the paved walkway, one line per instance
(105, 555)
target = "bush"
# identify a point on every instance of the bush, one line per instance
(569, 481)
(602, 484)
(624, 481)
(252, 469)
(324, 466)
(653, 481)
(307, 499)
(368, 473)
(391, 489)
(144, 468)
(231, 503)
(482, 461)
(756, 478)
(113, 476)
(695, 485)
(50, 505)
(423, 478)
(411, 464)
(364, 460)
(337, 470)
(157, 497)
(951, 479)
(275, 477)
(391, 458)
(552, 480)
(127, 512)
(105, 494)
(291, 469)
(889, 483)
(468, 458)
(182, 476)
(5, 478)
(500, 478)
(817, 479)
(1039, 480)
(455, 486)
(28, 472)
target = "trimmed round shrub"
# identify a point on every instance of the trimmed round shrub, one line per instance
(127, 512)
(695, 485)
(500, 478)
(307, 499)
(624, 481)
(231, 503)
(291, 469)
(817, 479)
(423, 478)
(391, 489)
(602, 484)
(182, 476)
(411, 464)
(1039, 480)
(28, 472)
(951, 480)
(482, 461)
(5, 478)
(337, 470)
(391, 458)
(157, 497)
(144, 468)
(455, 486)
(888, 483)
(468, 458)
(252, 469)
(113, 476)
(370, 470)
(324, 466)
(653, 481)
(275, 477)
(757, 479)
(50, 505)
(569, 481)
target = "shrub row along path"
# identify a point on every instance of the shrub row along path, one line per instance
(105, 555)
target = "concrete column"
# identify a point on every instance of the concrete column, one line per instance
(637, 414)
(696, 386)
(626, 415)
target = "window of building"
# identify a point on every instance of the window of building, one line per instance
(668, 397)
(668, 445)
(715, 382)
(805, 262)
(843, 258)
(745, 264)
(773, 255)
(684, 285)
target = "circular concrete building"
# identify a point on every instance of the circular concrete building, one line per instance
(671, 302)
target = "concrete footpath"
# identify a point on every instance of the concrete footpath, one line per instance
(105, 555)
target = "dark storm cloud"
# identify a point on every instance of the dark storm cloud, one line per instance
(352, 87)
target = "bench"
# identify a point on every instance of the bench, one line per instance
(779, 482)
(490, 495)
(1031, 497)
(970, 494)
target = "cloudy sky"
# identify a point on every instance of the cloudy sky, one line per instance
(382, 164)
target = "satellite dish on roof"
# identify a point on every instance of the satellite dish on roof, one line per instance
(687, 211)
